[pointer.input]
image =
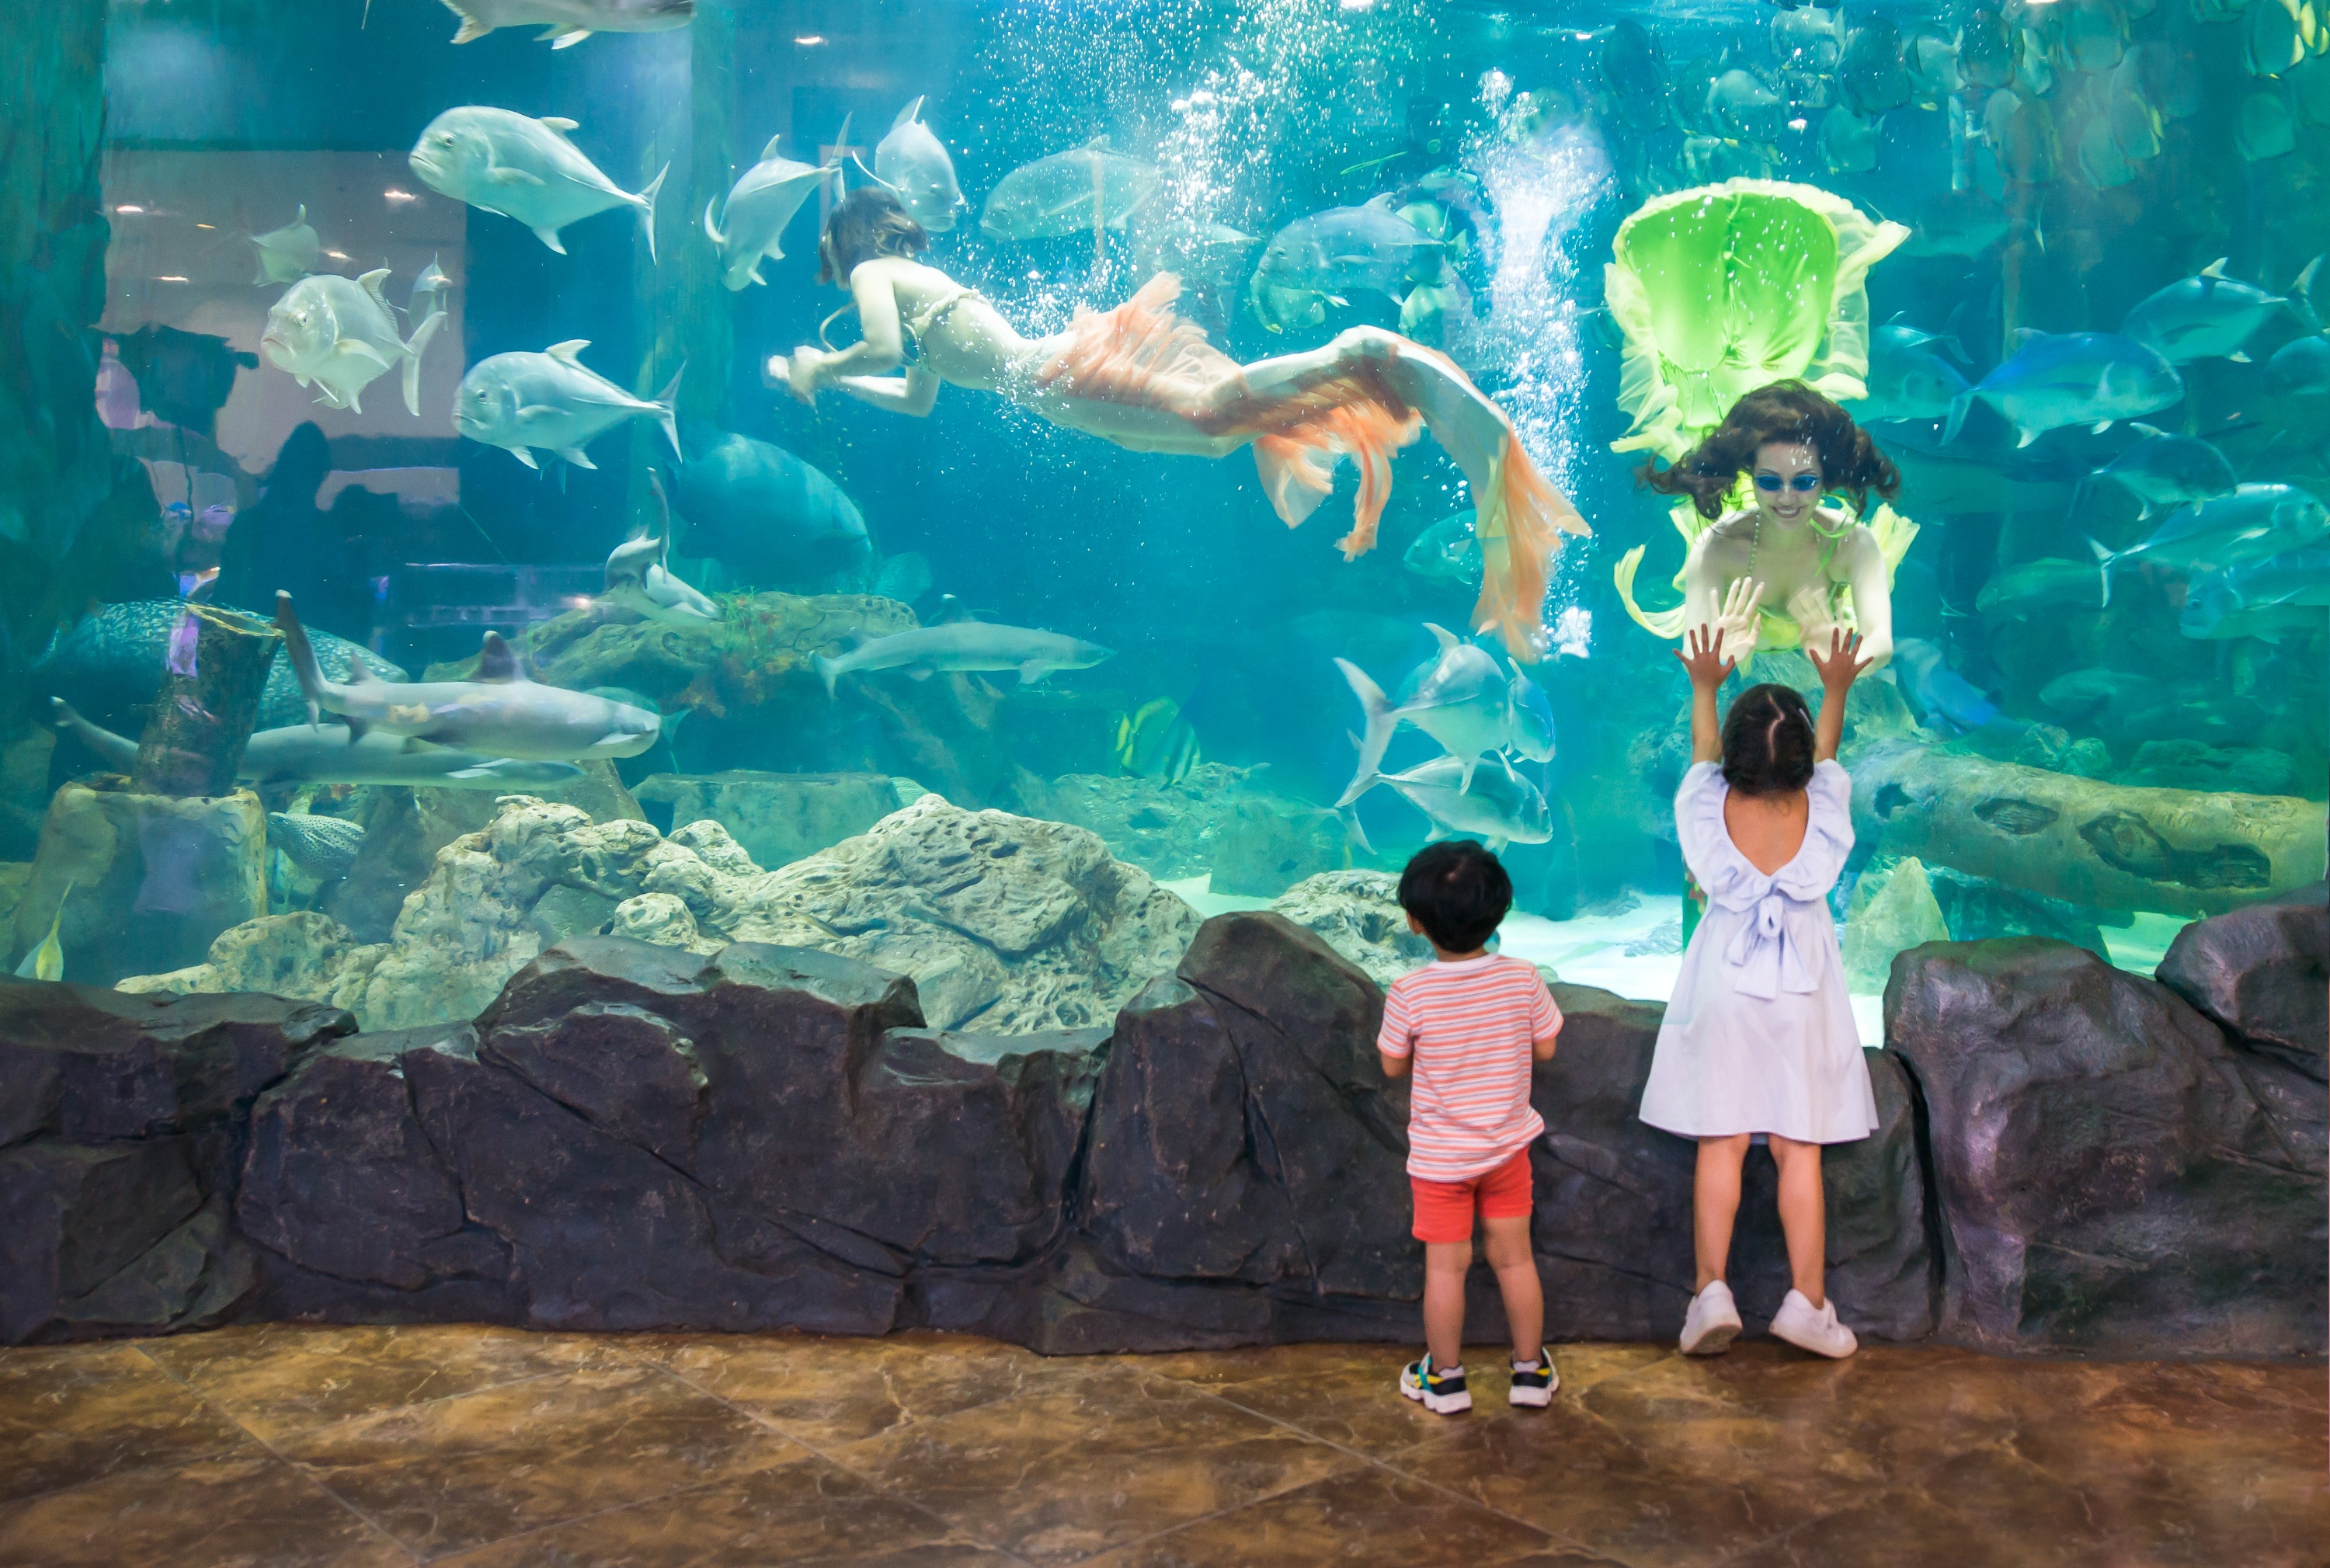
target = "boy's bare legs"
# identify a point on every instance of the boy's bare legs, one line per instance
(1511, 1256)
(1803, 1212)
(1714, 1204)
(1445, 1264)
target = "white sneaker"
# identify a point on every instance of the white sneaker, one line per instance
(1813, 1329)
(1712, 1322)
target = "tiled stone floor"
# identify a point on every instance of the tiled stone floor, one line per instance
(480, 1446)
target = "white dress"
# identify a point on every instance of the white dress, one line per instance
(1759, 1036)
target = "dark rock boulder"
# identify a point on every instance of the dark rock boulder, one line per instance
(2264, 974)
(2113, 1176)
(123, 1119)
(1613, 1198)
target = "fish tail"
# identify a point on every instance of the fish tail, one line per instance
(2104, 565)
(1959, 407)
(647, 208)
(420, 340)
(667, 406)
(1381, 720)
(302, 657)
(117, 751)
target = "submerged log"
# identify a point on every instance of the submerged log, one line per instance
(208, 705)
(2082, 840)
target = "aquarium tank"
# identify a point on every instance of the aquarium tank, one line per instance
(981, 486)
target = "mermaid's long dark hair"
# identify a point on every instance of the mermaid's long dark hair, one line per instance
(865, 224)
(1785, 411)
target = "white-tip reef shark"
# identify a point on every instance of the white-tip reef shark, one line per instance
(967, 646)
(501, 713)
(335, 754)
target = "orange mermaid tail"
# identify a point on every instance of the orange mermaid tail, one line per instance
(1141, 353)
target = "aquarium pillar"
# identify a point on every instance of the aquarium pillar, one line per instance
(57, 469)
(202, 721)
(145, 881)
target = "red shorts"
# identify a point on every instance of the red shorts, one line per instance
(1444, 1209)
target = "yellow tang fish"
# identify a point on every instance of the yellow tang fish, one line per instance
(47, 961)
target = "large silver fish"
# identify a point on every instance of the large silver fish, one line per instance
(1908, 378)
(342, 337)
(758, 206)
(1462, 699)
(501, 713)
(1495, 802)
(639, 577)
(967, 646)
(567, 22)
(2254, 524)
(1069, 193)
(1329, 257)
(2165, 471)
(523, 168)
(914, 166)
(519, 402)
(288, 254)
(335, 754)
(2055, 379)
(2207, 315)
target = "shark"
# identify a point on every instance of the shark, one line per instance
(501, 713)
(966, 645)
(335, 754)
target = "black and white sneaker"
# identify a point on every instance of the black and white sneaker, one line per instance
(1533, 1386)
(1441, 1392)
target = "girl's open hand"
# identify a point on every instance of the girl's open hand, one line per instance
(1702, 655)
(1843, 664)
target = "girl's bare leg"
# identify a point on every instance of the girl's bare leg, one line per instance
(1714, 1204)
(1803, 1214)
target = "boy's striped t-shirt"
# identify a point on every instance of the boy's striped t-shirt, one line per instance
(1470, 1026)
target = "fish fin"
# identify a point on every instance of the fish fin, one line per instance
(2027, 437)
(2141, 428)
(2216, 268)
(1353, 832)
(549, 237)
(1382, 719)
(571, 351)
(1465, 778)
(576, 455)
(828, 669)
(647, 208)
(907, 115)
(754, 273)
(771, 150)
(419, 341)
(870, 175)
(711, 232)
(2022, 335)
(495, 659)
(505, 175)
(471, 27)
(2239, 356)
(524, 455)
(2100, 427)
(482, 770)
(355, 348)
(1033, 671)
(370, 284)
(1434, 832)
(568, 40)
(1440, 634)
(918, 675)
(1959, 405)
(560, 123)
(2104, 565)
(667, 404)
(302, 656)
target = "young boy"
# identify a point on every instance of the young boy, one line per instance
(1471, 1027)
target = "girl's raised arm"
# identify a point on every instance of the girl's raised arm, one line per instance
(1702, 655)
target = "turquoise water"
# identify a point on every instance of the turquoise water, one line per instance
(2098, 752)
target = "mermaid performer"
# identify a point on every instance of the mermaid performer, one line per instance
(1808, 560)
(1142, 378)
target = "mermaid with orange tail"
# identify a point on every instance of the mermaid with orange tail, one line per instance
(1144, 378)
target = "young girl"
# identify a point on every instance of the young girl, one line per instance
(1141, 377)
(1759, 1037)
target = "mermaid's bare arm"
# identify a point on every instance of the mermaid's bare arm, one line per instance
(858, 370)
(1861, 565)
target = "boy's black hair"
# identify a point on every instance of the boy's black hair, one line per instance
(1767, 740)
(1458, 893)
